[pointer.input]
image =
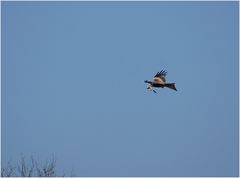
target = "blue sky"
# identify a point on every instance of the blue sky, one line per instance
(73, 86)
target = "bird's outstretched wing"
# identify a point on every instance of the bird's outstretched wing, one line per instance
(161, 75)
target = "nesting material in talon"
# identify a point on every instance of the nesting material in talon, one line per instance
(149, 87)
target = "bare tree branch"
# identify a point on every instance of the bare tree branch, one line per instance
(30, 168)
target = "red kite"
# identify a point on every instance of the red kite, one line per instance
(159, 81)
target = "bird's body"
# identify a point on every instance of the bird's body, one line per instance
(159, 81)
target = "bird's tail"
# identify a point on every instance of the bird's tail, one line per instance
(171, 85)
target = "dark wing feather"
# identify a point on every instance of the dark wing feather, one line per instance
(161, 75)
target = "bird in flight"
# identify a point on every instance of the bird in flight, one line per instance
(159, 81)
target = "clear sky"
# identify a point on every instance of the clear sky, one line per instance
(73, 86)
